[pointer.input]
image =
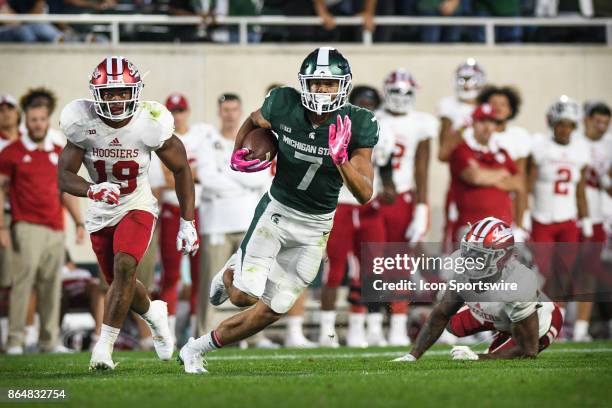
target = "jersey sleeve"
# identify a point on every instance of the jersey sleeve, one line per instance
(365, 129)
(384, 148)
(518, 311)
(537, 147)
(278, 101)
(445, 108)
(430, 127)
(71, 125)
(460, 158)
(6, 162)
(160, 125)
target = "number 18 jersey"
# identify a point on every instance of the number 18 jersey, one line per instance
(120, 156)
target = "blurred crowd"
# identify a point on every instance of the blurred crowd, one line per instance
(47, 302)
(209, 11)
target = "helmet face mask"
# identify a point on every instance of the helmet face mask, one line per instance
(470, 78)
(398, 91)
(490, 243)
(325, 64)
(110, 75)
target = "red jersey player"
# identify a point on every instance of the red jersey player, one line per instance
(482, 173)
(113, 135)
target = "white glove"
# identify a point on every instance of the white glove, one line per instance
(520, 234)
(586, 226)
(418, 227)
(463, 353)
(104, 192)
(187, 239)
(407, 358)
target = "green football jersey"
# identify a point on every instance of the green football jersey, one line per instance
(306, 178)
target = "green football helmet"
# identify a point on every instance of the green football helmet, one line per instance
(325, 63)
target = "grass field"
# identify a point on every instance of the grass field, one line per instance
(565, 375)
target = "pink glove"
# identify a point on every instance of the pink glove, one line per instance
(239, 163)
(339, 138)
(105, 192)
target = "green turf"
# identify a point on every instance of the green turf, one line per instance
(567, 374)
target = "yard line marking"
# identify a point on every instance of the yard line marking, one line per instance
(333, 356)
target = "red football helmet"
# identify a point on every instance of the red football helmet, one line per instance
(470, 78)
(115, 72)
(491, 240)
(398, 91)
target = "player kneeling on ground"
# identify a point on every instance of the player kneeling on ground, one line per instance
(525, 321)
(282, 249)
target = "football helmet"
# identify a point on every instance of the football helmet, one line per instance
(325, 63)
(564, 108)
(491, 242)
(398, 91)
(115, 72)
(470, 78)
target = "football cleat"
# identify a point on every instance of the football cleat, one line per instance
(101, 359)
(191, 359)
(158, 322)
(218, 293)
(298, 340)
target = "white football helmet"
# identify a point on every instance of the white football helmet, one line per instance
(564, 108)
(398, 91)
(470, 78)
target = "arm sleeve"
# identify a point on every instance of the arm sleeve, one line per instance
(460, 158)
(6, 164)
(365, 130)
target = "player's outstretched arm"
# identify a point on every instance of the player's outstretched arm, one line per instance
(436, 323)
(70, 161)
(173, 155)
(525, 335)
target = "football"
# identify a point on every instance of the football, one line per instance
(262, 143)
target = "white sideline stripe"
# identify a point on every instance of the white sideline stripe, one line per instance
(332, 356)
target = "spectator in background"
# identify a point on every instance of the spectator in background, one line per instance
(229, 199)
(327, 9)
(28, 32)
(442, 8)
(47, 97)
(515, 140)
(29, 166)
(186, 33)
(9, 120)
(232, 8)
(84, 32)
(483, 174)
(499, 8)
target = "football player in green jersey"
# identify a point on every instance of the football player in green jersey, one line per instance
(323, 142)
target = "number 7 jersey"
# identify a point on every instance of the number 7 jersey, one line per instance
(120, 156)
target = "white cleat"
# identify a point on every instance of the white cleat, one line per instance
(14, 351)
(162, 338)
(266, 344)
(582, 338)
(101, 360)
(218, 292)
(298, 340)
(399, 339)
(191, 359)
(330, 340)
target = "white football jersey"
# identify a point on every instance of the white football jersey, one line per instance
(558, 173)
(514, 140)
(194, 140)
(457, 111)
(505, 307)
(600, 160)
(119, 156)
(407, 131)
(381, 153)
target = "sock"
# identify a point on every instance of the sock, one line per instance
(108, 336)
(294, 325)
(356, 321)
(208, 342)
(581, 327)
(328, 322)
(31, 335)
(398, 323)
(375, 322)
(193, 322)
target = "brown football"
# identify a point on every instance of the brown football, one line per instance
(262, 143)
